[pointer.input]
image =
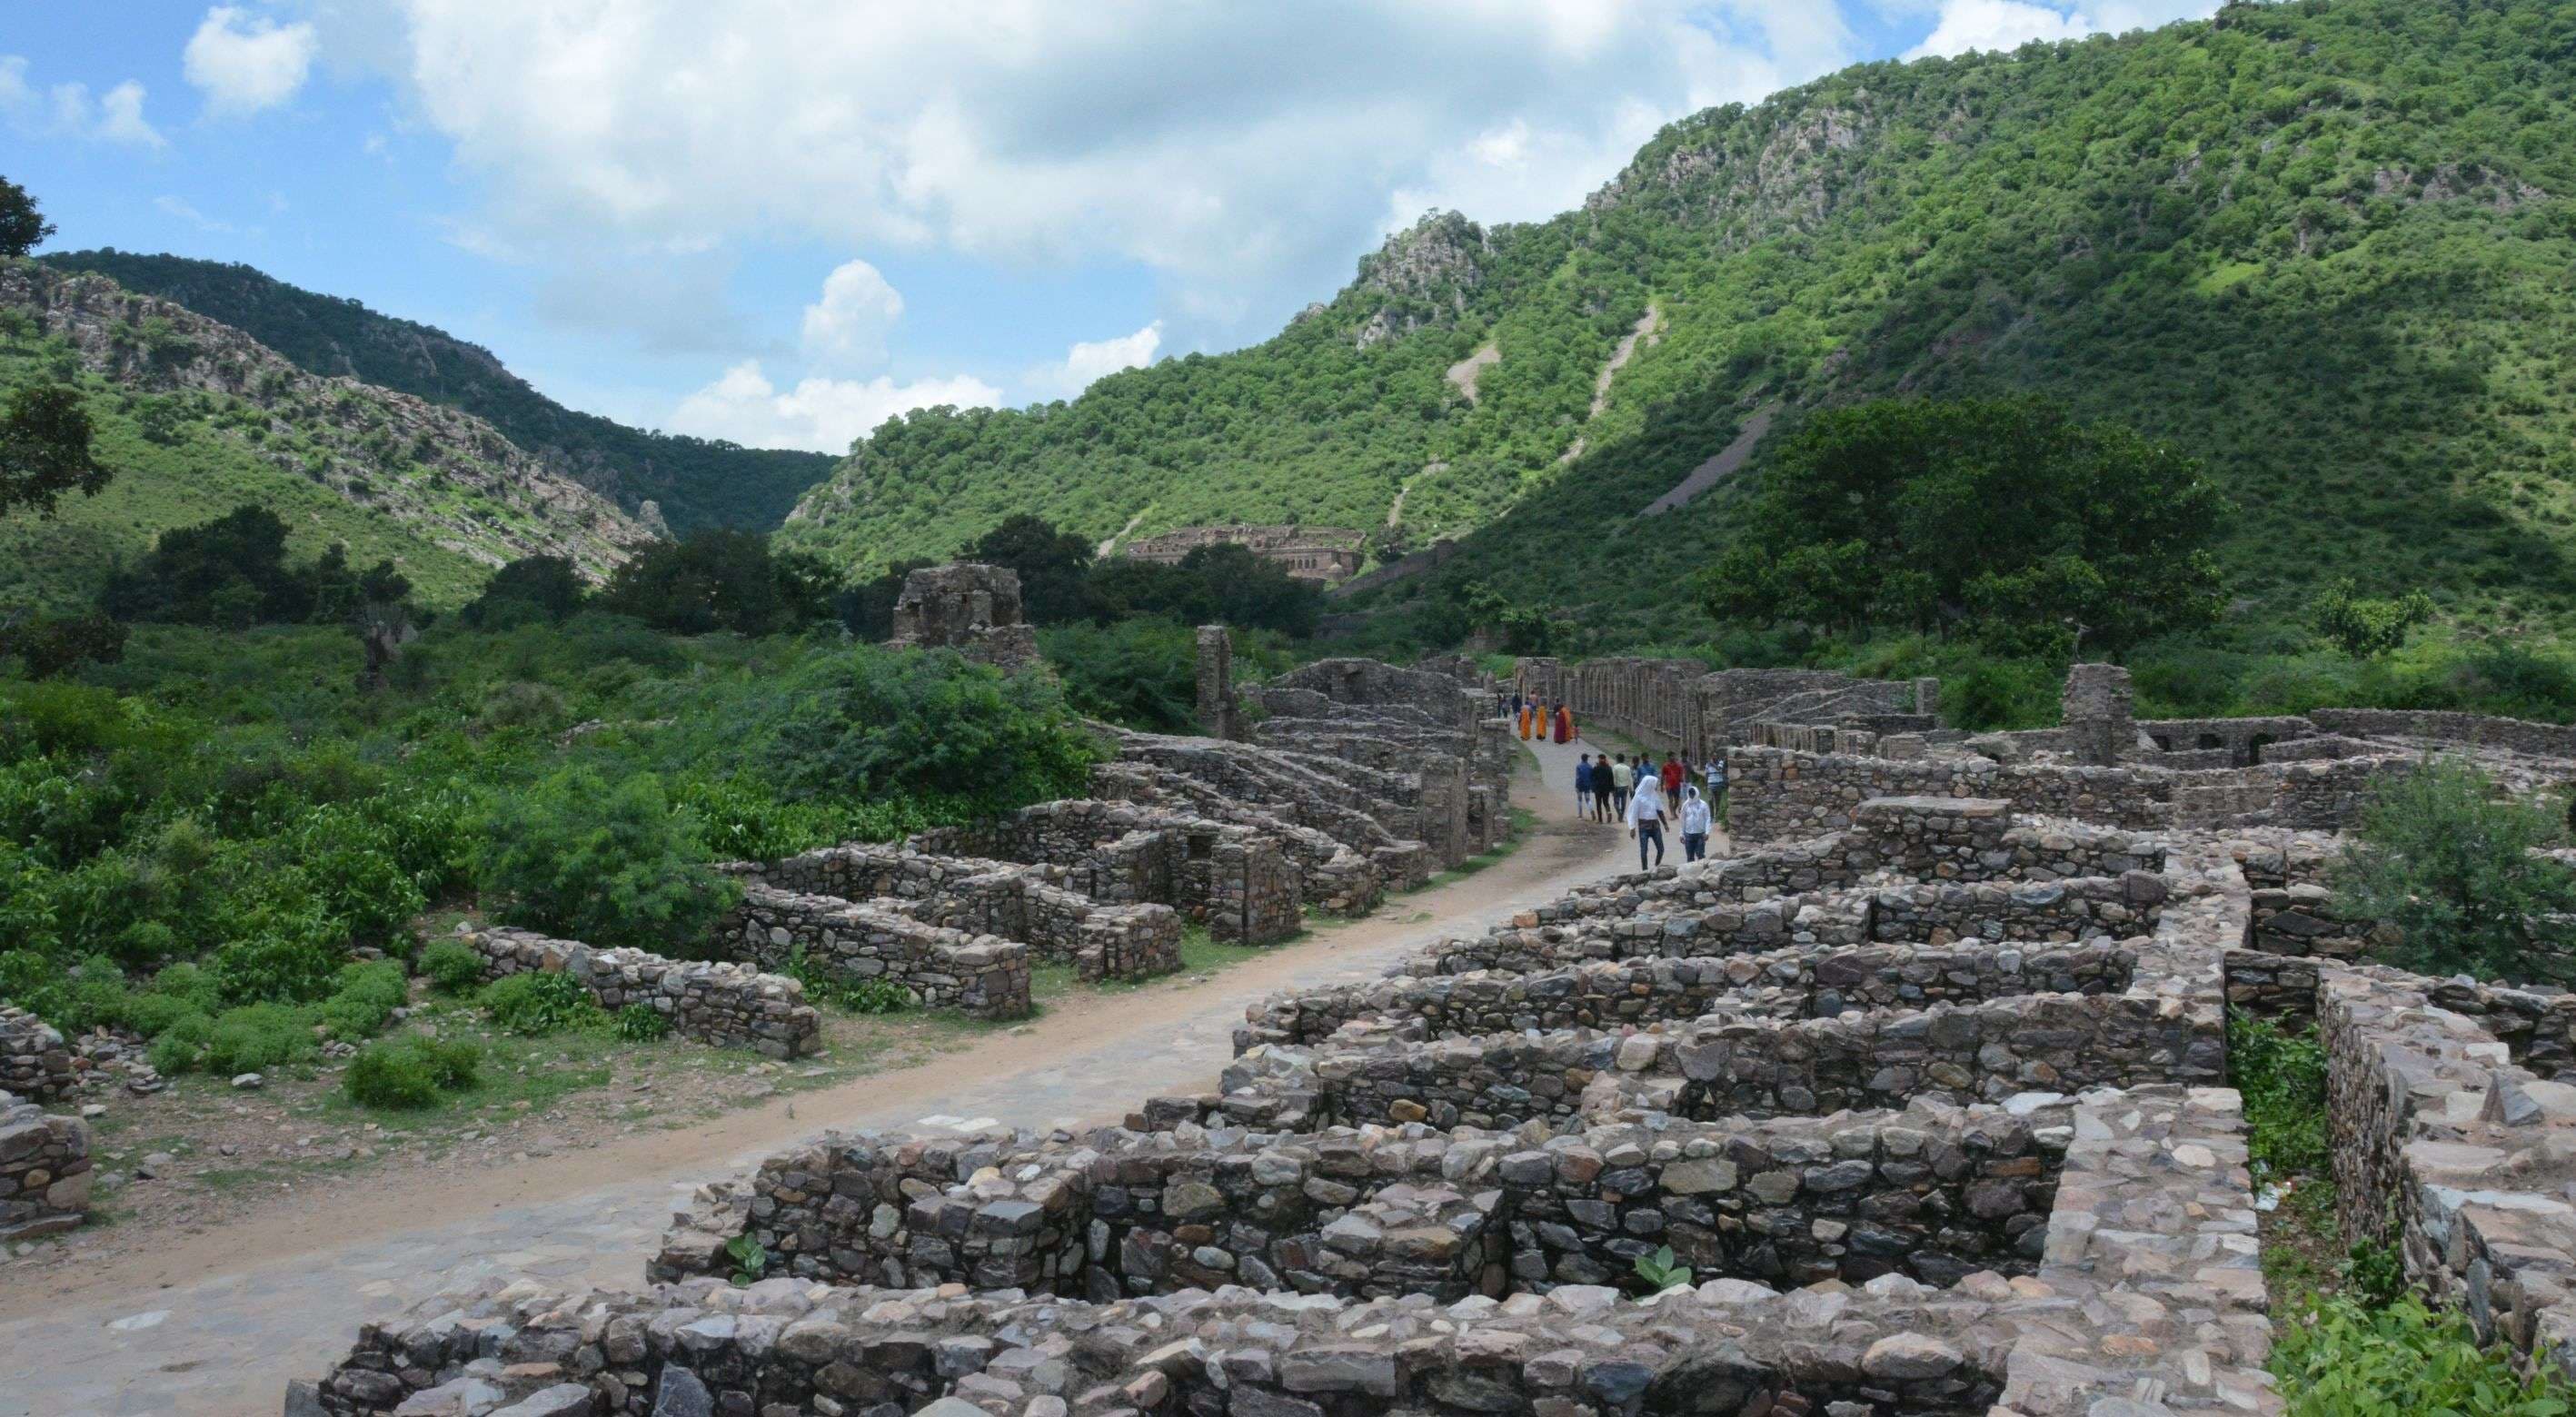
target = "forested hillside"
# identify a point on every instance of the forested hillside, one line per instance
(692, 482)
(194, 418)
(2324, 246)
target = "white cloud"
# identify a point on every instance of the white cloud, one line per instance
(67, 110)
(1246, 154)
(1967, 26)
(244, 63)
(848, 326)
(1089, 361)
(186, 211)
(825, 415)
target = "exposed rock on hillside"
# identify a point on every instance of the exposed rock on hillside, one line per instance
(449, 476)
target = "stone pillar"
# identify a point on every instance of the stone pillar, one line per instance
(1927, 697)
(2096, 710)
(1219, 715)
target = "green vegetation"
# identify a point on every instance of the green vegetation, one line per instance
(23, 227)
(2446, 857)
(1999, 516)
(45, 448)
(2282, 1077)
(409, 1073)
(1658, 1272)
(451, 966)
(2320, 249)
(576, 858)
(697, 483)
(2365, 628)
(541, 1002)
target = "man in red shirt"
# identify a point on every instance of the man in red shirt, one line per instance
(1672, 775)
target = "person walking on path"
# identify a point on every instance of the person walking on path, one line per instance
(1694, 825)
(1646, 819)
(1564, 725)
(1713, 772)
(1673, 776)
(1620, 781)
(1583, 787)
(1522, 713)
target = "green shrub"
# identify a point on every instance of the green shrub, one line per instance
(409, 1072)
(290, 965)
(2366, 628)
(257, 1037)
(606, 865)
(539, 1002)
(451, 966)
(857, 996)
(2347, 1359)
(363, 998)
(2283, 1079)
(2002, 694)
(2445, 857)
(181, 1043)
(642, 1023)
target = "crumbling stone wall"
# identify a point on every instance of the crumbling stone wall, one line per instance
(44, 1170)
(1323, 794)
(968, 607)
(1679, 706)
(1331, 877)
(2096, 710)
(2539, 740)
(1220, 713)
(983, 976)
(1030, 904)
(1229, 878)
(34, 1061)
(1781, 795)
(724, 1004)
(1609, 994)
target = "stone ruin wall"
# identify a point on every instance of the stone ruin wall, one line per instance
(45, 1171)
(35, 1063)
(981, 976)
(1681, 706)
(1230, 879)
(727, 1005)
(1973, 1236)
(1034, 905)
(968, 607)
(1331, 877)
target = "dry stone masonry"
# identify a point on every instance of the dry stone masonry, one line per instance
(1228, 878)
(981, 976)
(968, 607)
(34, 1062)
(724, 1004)
(44, 1170)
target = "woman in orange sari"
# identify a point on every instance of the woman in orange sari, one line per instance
(1525, 713)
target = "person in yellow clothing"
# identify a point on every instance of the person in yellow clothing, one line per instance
(1525, 713)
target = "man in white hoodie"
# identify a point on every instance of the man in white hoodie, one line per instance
(1646, 817)
(1695, 820)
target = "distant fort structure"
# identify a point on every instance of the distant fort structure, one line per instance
(1324, 554)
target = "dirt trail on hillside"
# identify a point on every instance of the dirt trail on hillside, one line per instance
(219, 1321)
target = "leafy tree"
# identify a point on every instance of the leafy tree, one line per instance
(2366, 629)
(530, 590)
(22, 226)
(720, 580)
(1928, 514)
(232, 573)
(1052, 567)
(45, 449)
(49, 644)
(2446, 859)
(607, 864)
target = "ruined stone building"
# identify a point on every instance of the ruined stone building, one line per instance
(1324, 554)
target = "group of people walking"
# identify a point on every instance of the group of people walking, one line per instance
(1648, 797)
(1549, 722)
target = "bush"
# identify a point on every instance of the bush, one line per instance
(451, 966)
(2002, 694)
(538, 1003)
(642, 1023)
(2443, 856)
(285, 964)
(609, 866)
(257, 1037)
(180, 1044)
(363, 999)
(410, 1072)
(2345, 1358)
(2283, 1079)
(2365, 628)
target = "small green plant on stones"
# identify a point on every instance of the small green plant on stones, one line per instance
(750, 1259)
(538, 1003)
(1660, 1273)
(642, 1023)
(2283, 1078)
(2375, 1273)
(855, 996)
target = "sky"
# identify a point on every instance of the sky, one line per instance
(783, 221)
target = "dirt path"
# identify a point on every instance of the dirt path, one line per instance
(218, 1322)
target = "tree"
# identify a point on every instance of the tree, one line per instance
(2366, 629)
(720, 580)
(1940, 514)
(607, 865)
(45, 449)
(22, 227)
(530, 589)
(1053, 567)
(868, 607)
(2444, 858)
(49, 644)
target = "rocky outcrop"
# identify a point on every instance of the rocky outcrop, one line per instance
(450, 477)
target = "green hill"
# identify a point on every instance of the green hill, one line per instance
(195, 418)
(692, 482)
(2325, 245)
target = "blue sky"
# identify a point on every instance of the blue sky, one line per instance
(782, 220)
